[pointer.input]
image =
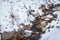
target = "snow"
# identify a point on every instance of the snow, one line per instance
(53, 35)
(20, 8)
(27, 33)
(49, 16)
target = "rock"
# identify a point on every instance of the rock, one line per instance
(47, 19)
(6, 35)
(43, 30)
(27, 28)
(43, 17)
(57, 27)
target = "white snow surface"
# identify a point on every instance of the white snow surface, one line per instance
(52, 35)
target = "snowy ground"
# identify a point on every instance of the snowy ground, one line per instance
(53, 35)
(20, 9)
